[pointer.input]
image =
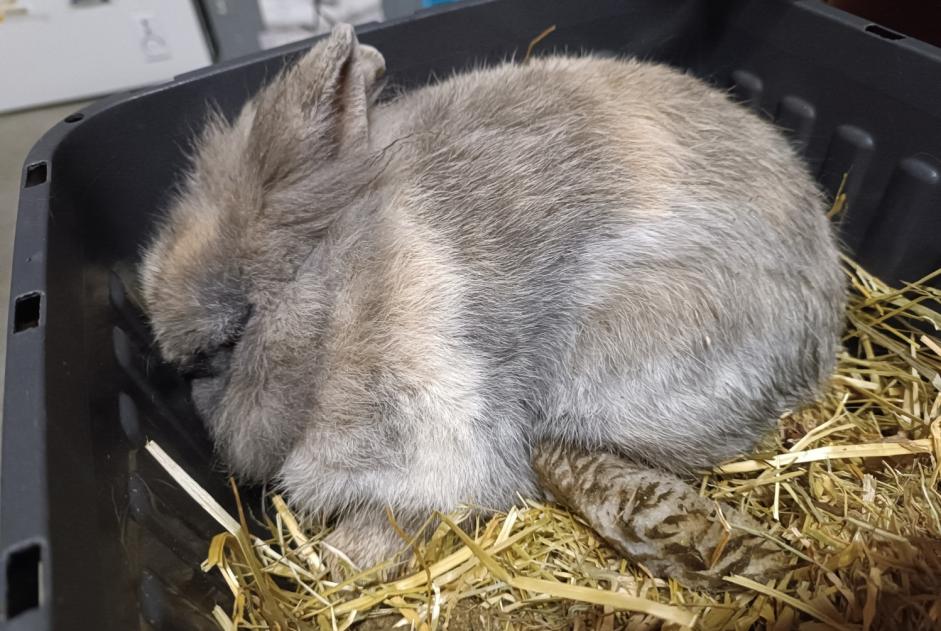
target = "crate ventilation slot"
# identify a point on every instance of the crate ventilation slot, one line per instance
(23, 580)
(26, 312)
(883, 32)
(36, 174)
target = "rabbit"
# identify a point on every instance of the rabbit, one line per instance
(390, 304)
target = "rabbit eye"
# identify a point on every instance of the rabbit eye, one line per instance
(237, 330)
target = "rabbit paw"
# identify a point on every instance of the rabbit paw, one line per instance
(364, 542)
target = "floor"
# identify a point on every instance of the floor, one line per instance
(18, 133)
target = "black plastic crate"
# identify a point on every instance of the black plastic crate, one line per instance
(93, 534)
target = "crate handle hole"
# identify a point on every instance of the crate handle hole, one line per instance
(74, 118)
(24, 580)
(36, 174)
(883, 32)
(26, 312)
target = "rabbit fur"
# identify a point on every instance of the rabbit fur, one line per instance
(391, 303)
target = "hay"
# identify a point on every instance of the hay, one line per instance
(849, 486)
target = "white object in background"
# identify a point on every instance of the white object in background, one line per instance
(153, 42)
(287, 13)
(288, 21)
(61, 50)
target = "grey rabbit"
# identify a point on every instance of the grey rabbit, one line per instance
(392, 304)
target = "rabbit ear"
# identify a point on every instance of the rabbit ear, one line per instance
(318, 107)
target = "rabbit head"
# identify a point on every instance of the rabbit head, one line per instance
(256, 198)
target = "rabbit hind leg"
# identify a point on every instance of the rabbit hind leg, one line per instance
(655, 518)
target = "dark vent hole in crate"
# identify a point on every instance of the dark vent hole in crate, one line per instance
(36, 174)
(883, 32)
(26, 312)
(74, 118)
(23, 580)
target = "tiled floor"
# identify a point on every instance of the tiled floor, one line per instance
(18, 133)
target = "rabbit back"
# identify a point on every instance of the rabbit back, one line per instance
(644, 265)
